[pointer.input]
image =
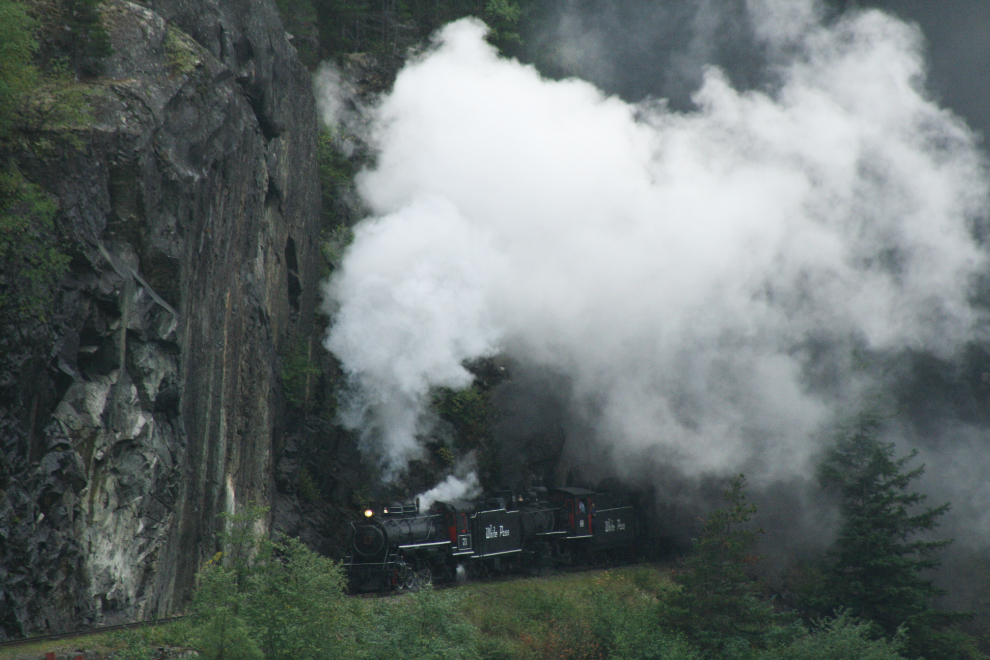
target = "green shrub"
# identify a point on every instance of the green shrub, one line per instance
(219, 632)
(426, 625)
(17, 74)
(272, 599)
(299, 372)
(83, 40)
(129, 645)
(31, 262)
(308, 492)
(295, 603)
(469, 411)
(624, 621)
(840, 638)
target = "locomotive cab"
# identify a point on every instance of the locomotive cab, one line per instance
(579, 505)
(456, 517)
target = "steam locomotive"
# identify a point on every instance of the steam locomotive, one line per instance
(397, 547)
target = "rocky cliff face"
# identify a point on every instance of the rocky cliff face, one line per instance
(149, 402)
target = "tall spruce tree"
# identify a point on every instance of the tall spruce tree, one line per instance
(877, 567)
(718, 606)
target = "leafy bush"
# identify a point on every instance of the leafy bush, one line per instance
(295, 606)
(272, 599)
(840, 638)
(624, 620)
(219, 632)
(425, 625)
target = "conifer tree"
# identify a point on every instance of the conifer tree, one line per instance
(878, 564)
(718, 607)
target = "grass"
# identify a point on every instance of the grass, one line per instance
(116, 643)
(558, 616)
(555, 617)
(36, 649)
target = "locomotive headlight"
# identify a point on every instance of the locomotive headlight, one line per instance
(368, 513)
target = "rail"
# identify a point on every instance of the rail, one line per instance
(88, 631)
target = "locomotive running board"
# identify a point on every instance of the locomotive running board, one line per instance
(504, 552)
(423, 545)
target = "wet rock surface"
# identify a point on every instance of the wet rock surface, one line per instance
(150, 400)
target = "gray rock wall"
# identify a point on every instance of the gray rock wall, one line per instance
(151, 400)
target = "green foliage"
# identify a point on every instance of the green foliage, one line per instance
(129, 645)
(83, 40)
(241, 540)
(839, 638)
(33, 101)
(143, 643)
(387, 29)
(300, 20)
(336, 169)
(718, 607)
(470, 412)
(31, 262)
(219, 632)
(268, 599)
(333, 243)
(587, 615)
(308, 491)
(295, 603)
(624, 624)
(425, 625)
(299, 370)
(17, 74)
(56, 104)
(180, 54)
(502, 16)
(876, 565)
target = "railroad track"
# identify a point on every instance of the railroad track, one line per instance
(89, 631)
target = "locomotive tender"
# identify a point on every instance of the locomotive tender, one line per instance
(397, 547)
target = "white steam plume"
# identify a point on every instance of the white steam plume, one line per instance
(451, 488)
(679, 267)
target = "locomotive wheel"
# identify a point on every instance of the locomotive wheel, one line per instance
(405, 577)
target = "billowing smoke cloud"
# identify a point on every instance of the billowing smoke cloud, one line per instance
(450, 489)
(684, 270)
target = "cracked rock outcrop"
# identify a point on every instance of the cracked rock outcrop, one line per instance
(151, 400)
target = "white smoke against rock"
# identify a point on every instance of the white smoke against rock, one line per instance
(679, 268)
(450, 489)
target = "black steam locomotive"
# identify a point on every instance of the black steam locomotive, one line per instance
(397, 547)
